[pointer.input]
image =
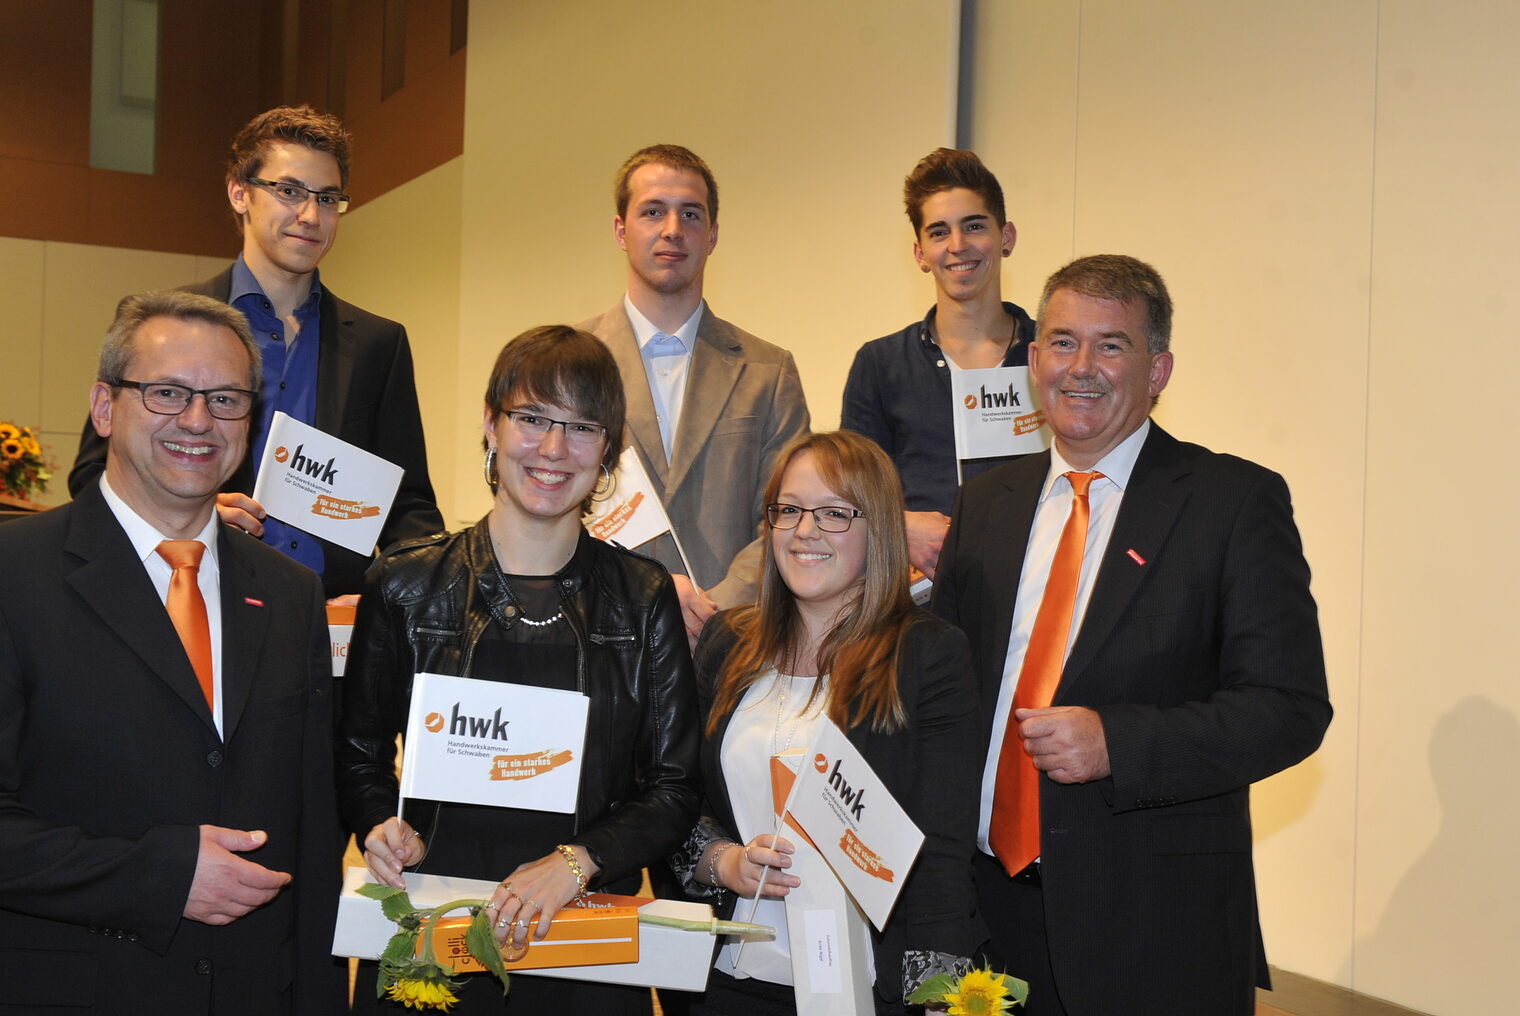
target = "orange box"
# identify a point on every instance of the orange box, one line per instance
(605, 929)
(341, 615)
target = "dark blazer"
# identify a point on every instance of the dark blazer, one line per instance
(109, 761)
(367, 396)
(744, 404)
(1200, 651)
(923, 765)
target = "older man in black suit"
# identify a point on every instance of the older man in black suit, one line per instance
(1147, 648)
(167, 815)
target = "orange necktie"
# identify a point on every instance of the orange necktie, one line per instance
(188, 610)
(1014, 831)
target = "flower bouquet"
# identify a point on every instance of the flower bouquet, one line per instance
(23, 470)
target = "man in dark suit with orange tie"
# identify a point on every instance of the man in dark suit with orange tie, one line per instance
(1147, 648)
(167, 814)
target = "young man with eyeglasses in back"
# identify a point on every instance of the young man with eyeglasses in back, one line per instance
(327, 363)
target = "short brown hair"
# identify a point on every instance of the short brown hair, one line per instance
(300, 125)
(673, 156)
(574, 369)
(944, 169)
(135, 310)
(1122, 278)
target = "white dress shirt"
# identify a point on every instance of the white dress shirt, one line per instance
(667, 364)
(145, 540)
(1103, 498)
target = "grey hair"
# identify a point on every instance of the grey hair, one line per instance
(136, 309)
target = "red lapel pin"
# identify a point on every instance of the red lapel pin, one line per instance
(1134, 556)
(259, 603)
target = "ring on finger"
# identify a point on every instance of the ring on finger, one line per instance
(535, 905)
(503, 923)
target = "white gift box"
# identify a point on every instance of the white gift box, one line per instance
(668, 957)
(830, 942)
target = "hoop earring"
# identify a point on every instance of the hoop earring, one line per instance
(605, 486)
(489, 469)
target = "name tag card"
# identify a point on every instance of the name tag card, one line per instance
(485, 742)
(996, 412)
(864, 834)
(324, 486)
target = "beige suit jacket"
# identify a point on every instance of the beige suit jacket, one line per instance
(744, 403)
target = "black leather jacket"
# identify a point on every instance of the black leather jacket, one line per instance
(425, 605)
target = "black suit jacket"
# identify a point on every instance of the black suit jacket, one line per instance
(1200, 651)
(367, 396)
(109, 761)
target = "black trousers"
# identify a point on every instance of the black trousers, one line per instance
(1015, 916)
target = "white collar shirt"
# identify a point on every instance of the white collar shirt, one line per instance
(667, 366)
(1104, 498)
(145, 539)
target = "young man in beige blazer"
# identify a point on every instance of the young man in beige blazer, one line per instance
(709, 405)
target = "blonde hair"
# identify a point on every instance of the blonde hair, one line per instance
(860, 652)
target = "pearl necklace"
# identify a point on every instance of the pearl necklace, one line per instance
(522, 615)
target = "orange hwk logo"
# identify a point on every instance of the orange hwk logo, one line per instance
(994, 400)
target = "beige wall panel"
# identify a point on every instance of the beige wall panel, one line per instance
(399, 256)
(1024, 126)
(81, 287)
(1438, 890)
(21, 264)
(1229, 145)
(21, 273)
(810, 115)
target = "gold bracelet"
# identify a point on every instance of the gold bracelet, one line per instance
(568, 853)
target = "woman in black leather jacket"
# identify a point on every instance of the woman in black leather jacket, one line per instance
(526, 596)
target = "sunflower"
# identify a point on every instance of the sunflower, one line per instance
(11, 449)
(9, 432)
(980, 993)
(429, 990)
(30, 444)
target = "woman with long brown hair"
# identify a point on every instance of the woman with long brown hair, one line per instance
(836, 634)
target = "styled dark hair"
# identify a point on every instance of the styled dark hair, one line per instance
(1122, 278)
(134, 310)
(301, 125)
(859, 653)
(673, 156)
(944, 169)
(574, 369)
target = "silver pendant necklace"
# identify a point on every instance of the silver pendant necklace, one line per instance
(777, 747)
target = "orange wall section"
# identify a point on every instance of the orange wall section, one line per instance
(219, 66)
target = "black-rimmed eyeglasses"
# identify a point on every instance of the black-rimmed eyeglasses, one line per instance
(535, 425)
(831, 518)
(171, 400)
(295, 195)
